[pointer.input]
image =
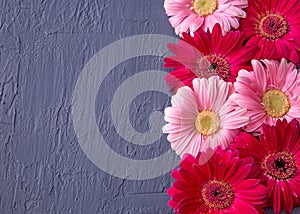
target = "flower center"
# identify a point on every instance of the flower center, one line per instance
(279, 165)
(205, 7)
(276, 103)
(207, 122)
(273, 26)
(217, 194)
(213, 65)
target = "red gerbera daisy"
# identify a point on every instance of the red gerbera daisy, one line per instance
(274, 26)
(205, 55)
(224, 184)
(278, 155)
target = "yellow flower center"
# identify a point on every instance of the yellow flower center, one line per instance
(205, 7)
(276, 103)
(207, 122)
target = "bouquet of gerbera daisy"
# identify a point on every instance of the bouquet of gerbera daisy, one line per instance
(234, 117)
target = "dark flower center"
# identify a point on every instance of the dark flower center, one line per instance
(280, 165)
(273, 26)
(213, 65)
(217, 194)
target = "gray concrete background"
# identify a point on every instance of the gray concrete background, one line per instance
(44, 46)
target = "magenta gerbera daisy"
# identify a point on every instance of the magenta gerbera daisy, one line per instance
(225, 184)
(274, 26)
(268, 93)
(207, 54)
(277, 153)
(190, 15)
(201, 118)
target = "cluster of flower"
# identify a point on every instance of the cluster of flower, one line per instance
(234, 117)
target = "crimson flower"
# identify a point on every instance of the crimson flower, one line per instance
(206, 55)
(274, 26)
(224, 184)
(277, 153)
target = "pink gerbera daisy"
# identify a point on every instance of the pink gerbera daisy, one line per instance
(268, 93)
(202, 118)
(277, 153)
(190, 15)
(225, 184)
(208, 54)
(274, 26)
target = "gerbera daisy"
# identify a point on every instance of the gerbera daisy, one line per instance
(205, 55)
(202, 119)
(277, 153)
(274, 26)
(190, 15)
(225, 184)
(268, 93)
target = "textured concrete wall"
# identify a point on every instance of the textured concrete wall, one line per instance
(44, 45)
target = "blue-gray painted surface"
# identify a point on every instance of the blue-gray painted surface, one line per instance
(44, 45)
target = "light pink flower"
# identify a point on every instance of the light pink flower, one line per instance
(190, 15)
(268, 93)
(201, 118)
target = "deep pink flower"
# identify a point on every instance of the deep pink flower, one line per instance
(207, 54)
(224, 184)
(274, 26)
(277, 153)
